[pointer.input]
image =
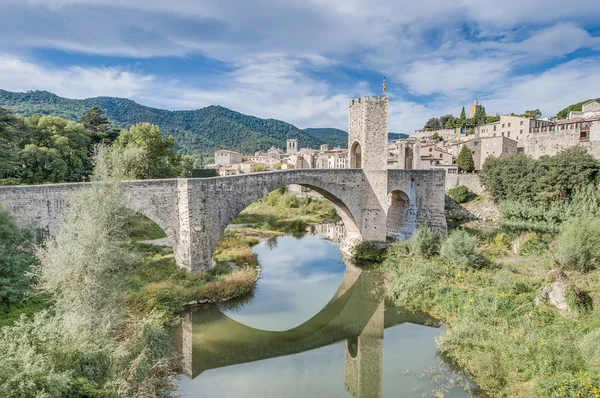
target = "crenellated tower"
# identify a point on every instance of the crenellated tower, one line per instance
(368, 132)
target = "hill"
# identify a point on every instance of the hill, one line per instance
(575, 107)
(339, 138)
(333, 137)
(200, 131)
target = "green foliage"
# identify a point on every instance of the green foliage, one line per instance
(10, 132)
(199, 131)
(17, 260)
(492, 119)
(95, 121)
(480, 117)
(532, 244)
(534, 113)
(426, 242)
(438, 137)
(578, 245)
(563, 114)
(465, 159)
(460, 249)
(463, 115)
(543, 180)
(459, 194)
(332, 137)
(158, 156)
(369, 251)
(433, 124)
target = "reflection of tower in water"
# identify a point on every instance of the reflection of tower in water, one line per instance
(364, 352)
(333, 232)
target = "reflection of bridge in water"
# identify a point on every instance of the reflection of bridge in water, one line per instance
(356, 314)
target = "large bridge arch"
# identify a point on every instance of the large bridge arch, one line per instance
(223, 199)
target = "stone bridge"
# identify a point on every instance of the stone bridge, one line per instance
(357, 314)
(195, 212)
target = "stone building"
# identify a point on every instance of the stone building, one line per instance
(475, 108)
(367, 132)
(513, 127)
(292, 146)
(404, 154)
(433, 151)
(551, 139)
(589, 110)
(224, 157)
(483, 147)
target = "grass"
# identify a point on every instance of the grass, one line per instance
(496, 333)
(10, 314)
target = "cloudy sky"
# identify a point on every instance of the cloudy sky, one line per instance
(300, 61)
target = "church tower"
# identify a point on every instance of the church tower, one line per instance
(368, 132)
(292, 146)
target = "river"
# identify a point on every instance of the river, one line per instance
(315, 327)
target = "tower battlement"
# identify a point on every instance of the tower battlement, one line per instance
(367, 99)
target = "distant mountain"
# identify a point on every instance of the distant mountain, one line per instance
(198, 131)
(339, 138)
(575, 107)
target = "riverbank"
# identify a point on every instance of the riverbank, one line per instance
(500, 330)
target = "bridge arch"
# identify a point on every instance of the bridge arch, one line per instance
(397, 214)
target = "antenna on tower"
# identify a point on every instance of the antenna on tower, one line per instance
(384, 86)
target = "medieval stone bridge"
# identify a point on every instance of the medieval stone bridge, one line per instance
(195, 212)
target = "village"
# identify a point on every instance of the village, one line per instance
(439, 149)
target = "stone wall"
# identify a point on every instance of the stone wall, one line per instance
(470, 180)
(368, 126)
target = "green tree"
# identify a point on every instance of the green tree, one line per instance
(465, 159)
(492, 119)
(438, 137)
(480, 116)
(17, 259)
(534, 113)
(450, 123)
(95, 121)
(160, 160)
(9, 138)
(445, 119)
(433, 124)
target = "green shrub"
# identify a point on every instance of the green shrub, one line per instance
(532, 244)
(578, 245)
(460, 194)
(461, 249)
(426, 242)
(370, 252)
(16, 260)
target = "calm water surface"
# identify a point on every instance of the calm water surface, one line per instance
(315, 327)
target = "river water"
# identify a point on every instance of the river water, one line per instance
(315, 327)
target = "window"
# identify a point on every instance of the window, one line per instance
(502, 125)
(508, 134)
(476, 143)
(521, 122)
(520, 131)
(441, 155)
(494, 130)
(508, 124)
(430, 149)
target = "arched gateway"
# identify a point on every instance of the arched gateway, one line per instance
(372, 201)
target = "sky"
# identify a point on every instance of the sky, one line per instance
(302, 61)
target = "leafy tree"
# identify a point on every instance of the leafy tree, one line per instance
(17, 260)
(450, 123)
(445, 119)
(95, 121)
(160, 160)
(433, 124)
(9, 136)
(535, 113)
(492, 119)
(543, 180)
(480, 116)
(438, 137)
(463, 114)
(465, 159)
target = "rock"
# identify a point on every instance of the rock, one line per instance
(556, 293)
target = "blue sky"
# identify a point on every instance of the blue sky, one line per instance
(301, 61)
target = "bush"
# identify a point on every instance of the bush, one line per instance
(370, 252)
(16, 260)
(578, 245)
(426, 242)
(461, 249)
(532, 244)
(460, 194)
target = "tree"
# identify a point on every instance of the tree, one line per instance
(17, 260)
(433, 124)
(438, 137)
(480, 116)
(9, 137)
(450, 123)
(95, 121)
(160, 160)
(445, 119)
(465, 159)
(463, 114)
(534, 113)
(492, 119)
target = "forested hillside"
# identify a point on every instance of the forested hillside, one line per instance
(575, 107)
(199, 131)
(339, 138)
